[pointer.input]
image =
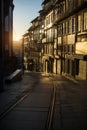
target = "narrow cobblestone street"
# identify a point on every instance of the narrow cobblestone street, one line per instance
(43, 65)
(70, 111)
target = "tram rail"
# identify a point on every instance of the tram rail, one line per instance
(49, 119)
(14, 103)
(51, 111)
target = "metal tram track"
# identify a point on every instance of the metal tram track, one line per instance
(14, 103)
(49, 122)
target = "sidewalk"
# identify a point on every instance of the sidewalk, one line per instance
(14, 90)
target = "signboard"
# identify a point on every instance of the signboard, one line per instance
(81, 48)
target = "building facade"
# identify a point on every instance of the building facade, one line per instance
(62, 35)
(32, 46)
(48, 39)
(6, 29)
(71, 21)
(69, 34)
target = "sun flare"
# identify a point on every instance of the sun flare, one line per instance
(16, 38)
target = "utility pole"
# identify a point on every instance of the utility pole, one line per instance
(1, 45)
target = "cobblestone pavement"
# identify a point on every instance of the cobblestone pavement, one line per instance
(70, 111)
(31, 113)
(70, 105)
(14, 90)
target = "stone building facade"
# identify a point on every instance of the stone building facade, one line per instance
(62, 35)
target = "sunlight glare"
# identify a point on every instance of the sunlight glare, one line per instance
(16, 38)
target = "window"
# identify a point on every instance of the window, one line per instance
(82, 38)
(73, 25)
(60, 47)
(45, 49)
(65, 48)
(68, 26)
(52, 17)
(49, 19)
(60, 29)
(79, 2)
(85, 20)
(55, 31)
(61, 8)
(79, 23)
(73, 48)
(50, 49)
(46, 21)
(64, 28)
(56, 11)
(69, 3)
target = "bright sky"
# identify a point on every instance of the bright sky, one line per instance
(24, 12)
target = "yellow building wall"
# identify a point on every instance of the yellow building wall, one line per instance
(83, 69)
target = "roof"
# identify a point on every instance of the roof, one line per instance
(35, 19)
(45, 1)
